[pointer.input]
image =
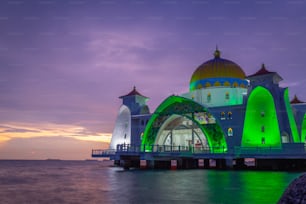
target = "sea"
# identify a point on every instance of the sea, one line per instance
(57, 181)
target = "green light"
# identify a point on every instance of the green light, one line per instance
(303, 133)
(183, 107)
(261, 123)
(292, 122)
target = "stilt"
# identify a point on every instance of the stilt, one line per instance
(173, 164)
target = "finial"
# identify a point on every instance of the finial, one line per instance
(295, 97)
(134, 88)
(217, 52)
(263, 66)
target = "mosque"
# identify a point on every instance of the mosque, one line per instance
(224, 109)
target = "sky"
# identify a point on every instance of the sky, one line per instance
(63, 64)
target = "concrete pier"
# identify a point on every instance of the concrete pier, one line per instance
(237, 159)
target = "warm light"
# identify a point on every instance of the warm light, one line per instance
(27, 130)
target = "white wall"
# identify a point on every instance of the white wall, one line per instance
(217, 96)
(122, 130)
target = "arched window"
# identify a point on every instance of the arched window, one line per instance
(222, 116)
(227, 96)
(208, 97)
(229, 115)
(207, 84)
(230, 132)
(235, 84)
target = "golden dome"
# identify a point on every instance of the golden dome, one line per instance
(217, 71)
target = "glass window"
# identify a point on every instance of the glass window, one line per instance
(222, 116)
(208, 97)
(229, 115)
(227, 96)
(262, 113)
(230, 132)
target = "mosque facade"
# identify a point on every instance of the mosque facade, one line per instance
(224, 109)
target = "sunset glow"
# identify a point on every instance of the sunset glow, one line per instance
(63, 64)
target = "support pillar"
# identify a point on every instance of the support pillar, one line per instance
(206, 163)
(229, 163)
(220, 163)
(173, 164)
(143, 164)
(201, 163)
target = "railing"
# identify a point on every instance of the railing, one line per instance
(103, 153)
(169, 149)
(287, 150)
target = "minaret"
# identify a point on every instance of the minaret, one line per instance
(127, 130)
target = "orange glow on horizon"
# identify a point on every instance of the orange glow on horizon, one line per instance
(26, 130)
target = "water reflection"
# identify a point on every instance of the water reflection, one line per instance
(200, 186)
(91, 182)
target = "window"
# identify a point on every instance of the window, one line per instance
(208, 97)
(142, 122)
(229, 115)
(262, 113)
(262, 128)
(222, 116)
(227, 96)
(230, 132)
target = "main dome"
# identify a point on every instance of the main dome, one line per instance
(217, 72)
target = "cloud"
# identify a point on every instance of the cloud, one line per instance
(27, 130)
(292, 83)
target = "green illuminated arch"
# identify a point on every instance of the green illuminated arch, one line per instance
(261, 124)
(294, 131)
(303, 132)
(175, 105)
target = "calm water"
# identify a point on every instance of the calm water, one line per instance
(93, 182)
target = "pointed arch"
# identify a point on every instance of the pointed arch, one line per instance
(293, 127)
(303, 131)
(261, 131)
(176, 105)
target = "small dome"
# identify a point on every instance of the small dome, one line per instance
(217, 72)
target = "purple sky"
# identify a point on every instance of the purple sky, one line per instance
(63, 64)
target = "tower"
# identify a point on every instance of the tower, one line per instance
(131, 120)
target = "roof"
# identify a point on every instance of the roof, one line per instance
(134, 92)
(216, 68)
(262, 71)
(295, 100)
